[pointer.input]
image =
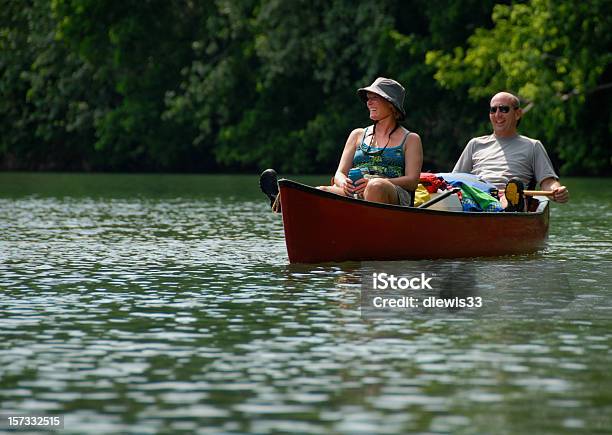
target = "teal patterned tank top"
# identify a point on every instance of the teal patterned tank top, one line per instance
(388, 162)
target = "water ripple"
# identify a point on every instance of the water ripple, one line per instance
(144, 314)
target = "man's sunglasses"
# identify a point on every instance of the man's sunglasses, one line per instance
(502, 108)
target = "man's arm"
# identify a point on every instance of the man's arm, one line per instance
(560, 193)
(464, 164)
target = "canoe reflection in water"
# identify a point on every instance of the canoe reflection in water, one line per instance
(509, 288)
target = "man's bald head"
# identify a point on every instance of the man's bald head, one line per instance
(516, 103)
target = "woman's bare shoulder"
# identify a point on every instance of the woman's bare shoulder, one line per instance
(355, 137)
(413, 137)
(410, 133)
(358, 131)
(413, 143)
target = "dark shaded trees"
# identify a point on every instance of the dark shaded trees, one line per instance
(234, 85)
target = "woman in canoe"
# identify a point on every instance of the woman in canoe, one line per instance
(388, 154)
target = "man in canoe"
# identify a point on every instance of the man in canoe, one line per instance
(388, 155)
(509, 160)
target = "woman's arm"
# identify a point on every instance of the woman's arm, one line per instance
(413, 158)
(346, 162)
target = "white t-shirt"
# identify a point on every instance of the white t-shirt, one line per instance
(498, 159)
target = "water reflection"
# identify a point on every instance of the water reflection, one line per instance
(155, 314)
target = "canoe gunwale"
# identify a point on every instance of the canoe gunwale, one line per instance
(544, 203)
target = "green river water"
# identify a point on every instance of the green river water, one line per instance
(166, 304)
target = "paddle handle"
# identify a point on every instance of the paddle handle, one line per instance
(535, 192)
(538, 193)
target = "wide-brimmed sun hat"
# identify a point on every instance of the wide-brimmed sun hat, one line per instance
(390, 90)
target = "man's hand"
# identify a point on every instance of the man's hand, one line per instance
(560, 193)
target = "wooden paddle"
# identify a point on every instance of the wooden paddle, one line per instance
(538, 193)
(535, 192)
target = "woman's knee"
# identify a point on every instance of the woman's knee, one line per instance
(379, 188)
(376, 185)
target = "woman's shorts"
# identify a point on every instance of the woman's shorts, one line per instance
(404, 197)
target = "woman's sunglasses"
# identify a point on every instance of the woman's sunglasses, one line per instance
(376, 153)
(502, 108)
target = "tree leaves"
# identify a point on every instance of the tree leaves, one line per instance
(553, 56)
(226, 85)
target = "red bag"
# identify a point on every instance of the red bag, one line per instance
(432, 182)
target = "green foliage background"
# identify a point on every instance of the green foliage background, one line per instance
(227, 85)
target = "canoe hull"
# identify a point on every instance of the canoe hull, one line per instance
(321, 227)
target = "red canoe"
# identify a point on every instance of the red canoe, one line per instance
(322, 226)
